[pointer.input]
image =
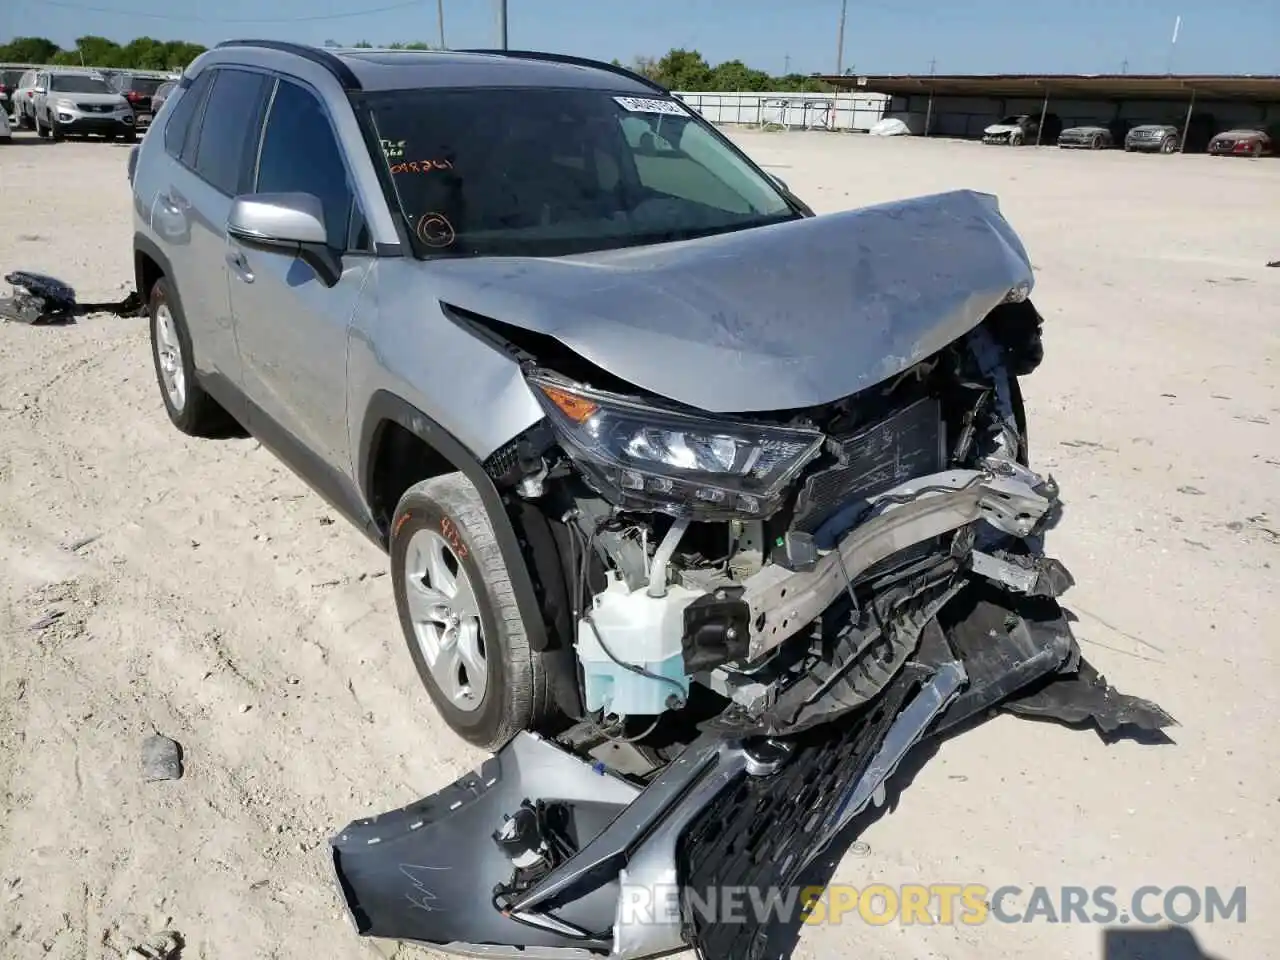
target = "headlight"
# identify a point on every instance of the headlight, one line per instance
(644, 457)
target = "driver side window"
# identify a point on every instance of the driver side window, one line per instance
(300, 154)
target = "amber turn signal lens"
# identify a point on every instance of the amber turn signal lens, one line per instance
(576, 408)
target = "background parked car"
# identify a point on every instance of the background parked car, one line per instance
(78, 102)
(1021, 128)
(161, 95)
(1242, 142)
(24, 97)
(1167, 137)
(139, 89)
(8, 87)
(1089, 136)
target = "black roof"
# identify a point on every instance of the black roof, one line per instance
(360, 68)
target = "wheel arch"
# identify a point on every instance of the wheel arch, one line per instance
(386, 413)
(149, 265)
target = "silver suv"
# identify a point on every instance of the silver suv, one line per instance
(77, 102)
(607, 393)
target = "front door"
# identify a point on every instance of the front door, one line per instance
(291, 328)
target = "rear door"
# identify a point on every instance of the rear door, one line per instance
(291, 328)
(215, 161)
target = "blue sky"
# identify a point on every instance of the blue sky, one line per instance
(882, 36)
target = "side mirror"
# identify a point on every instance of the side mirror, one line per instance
(287, 223)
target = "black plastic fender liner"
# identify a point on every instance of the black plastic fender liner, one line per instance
(426, 873)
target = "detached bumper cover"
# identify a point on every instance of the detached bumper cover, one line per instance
(725, 811)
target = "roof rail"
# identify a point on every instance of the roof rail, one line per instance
(575, 61)
(324, 58)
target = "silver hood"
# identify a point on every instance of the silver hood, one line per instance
(779, 317)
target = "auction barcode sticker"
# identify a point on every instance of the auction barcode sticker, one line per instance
(647, 105)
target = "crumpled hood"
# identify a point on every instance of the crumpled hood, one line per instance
(1002, 128)
(780, 317)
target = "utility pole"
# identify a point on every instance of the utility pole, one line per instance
(844, 11)
(786, 65)
(502, 24)
(440, 19)
(1124, 67)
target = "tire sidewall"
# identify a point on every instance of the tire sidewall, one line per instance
(418, 512)
(162, 294)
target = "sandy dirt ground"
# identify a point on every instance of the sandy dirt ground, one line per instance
(200, 590)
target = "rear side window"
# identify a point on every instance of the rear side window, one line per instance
(186, 109)
(300, 154)
(229, 132)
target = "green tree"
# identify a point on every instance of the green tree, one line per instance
(684, 69)
(734, 75)
(28, 50)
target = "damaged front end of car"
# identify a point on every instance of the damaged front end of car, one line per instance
(803, 595)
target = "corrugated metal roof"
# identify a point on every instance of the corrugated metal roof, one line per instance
(1126, 86)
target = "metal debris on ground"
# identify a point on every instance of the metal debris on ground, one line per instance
(162, 946)
(161, 759)
(48, 620)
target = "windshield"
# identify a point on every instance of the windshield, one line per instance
(1009, 121)
(10, 78)
(69, 83)
(550, 172)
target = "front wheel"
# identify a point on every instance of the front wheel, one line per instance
(1169, 145)
(1015, 139)
(459, 615)
(1096, 144)
(55, 131)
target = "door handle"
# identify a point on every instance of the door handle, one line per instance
(240, 266)
(172, 204)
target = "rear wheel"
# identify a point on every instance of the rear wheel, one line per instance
(190, 408)
(459, 615)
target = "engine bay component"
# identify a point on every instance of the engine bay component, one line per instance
(631, 650)
(1006, 495)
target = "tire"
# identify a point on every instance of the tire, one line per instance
(445, 519)
(55, 131)
(190, 409)
(1169, 145)
(24, 121)
(1096, 142)
(40, 128)
(1015, 139)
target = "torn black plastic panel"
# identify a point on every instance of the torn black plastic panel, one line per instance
(40, 299)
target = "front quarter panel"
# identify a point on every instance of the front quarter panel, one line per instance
(410, 349)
